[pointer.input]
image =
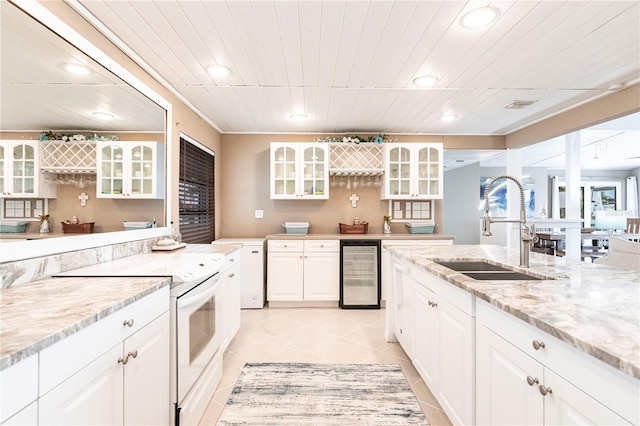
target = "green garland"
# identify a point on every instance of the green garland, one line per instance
(354, 139)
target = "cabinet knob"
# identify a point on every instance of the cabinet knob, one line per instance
(232, 275)
(532, 381)
(124, 360)
(133, 354)
(128, 323)
(544, 390)
(537, 345)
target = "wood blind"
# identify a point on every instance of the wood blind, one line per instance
(196, 194)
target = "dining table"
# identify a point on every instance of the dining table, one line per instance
(593, 244)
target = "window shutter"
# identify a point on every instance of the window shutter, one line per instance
(196, 194)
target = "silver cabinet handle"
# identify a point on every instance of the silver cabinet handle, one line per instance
(544, 390)
(532, 381)
(133, 354)
(232, 275)
(128, 323)
(124, 360)
(537, 345)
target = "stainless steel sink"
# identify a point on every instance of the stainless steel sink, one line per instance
(500, 276)
(482, 270)
(475, 265)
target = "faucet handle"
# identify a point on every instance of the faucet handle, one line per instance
(530, 234)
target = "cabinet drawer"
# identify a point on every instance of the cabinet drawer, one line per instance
(614, 389)
(65, 358)
(286, 245)
(322, 245)
(461, 299)
(18, 386)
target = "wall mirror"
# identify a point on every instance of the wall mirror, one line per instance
(38, 94)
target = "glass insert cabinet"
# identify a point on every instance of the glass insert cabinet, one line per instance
(130, 169)
(20, 175)
(413, 171)
(299, 171)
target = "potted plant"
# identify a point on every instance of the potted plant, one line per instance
(44, 223)
(387, 224)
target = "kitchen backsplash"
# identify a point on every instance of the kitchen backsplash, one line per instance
(25, 271)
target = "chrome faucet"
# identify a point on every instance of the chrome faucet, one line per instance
(527, 233)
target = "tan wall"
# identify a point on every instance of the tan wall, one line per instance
(607, 108)
(245, 188)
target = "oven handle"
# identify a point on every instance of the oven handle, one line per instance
(184, 302)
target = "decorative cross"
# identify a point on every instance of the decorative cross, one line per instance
(83, 197)
(354, 199)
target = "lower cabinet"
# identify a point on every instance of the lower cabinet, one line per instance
(403, 306)
(231, 291)
(128, 384)
(300, 270)
(519, 381)
(443, 349)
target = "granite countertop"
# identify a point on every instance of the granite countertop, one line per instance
(591, 307)
(383, 237)
(36, 315)
(39, 314)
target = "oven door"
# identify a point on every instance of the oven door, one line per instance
(198, 332)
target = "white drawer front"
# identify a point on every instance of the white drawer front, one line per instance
(18, 386)
(66, 357)
(322, 245)
(286, 245)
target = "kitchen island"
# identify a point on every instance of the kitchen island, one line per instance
(585, 320)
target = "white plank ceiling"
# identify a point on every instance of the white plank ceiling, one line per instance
(349, 65)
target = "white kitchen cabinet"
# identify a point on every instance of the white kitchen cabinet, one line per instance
(300, 270)
(230, 285)
(130, 170)
(18, 387)
(115, 371)
(252, 258)
(443, 344)
(299, 171)
(20, 175)
(321, 270)
(413, 171)
(544, 380)
(403, 306)
(27, 416)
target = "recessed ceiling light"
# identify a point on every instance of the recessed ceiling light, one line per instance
(448, 117)
(479, 17)
(77, 69)
(425, 81)
(298, 117)
(218, 71)
(102, 115)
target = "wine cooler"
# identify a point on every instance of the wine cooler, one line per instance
(360, 274)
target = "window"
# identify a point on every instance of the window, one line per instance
(196, 194)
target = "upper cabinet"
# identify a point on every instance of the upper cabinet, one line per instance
(20, 175)
(299, 171)
(413, 171)
(130, 169)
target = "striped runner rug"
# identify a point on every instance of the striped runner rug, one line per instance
(321, 394)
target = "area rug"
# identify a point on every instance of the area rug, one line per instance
(322, 394)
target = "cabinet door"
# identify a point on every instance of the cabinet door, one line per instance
(92, 396)
(146, 374)
(285, 276)
(568, 405)
(322, 276)
(111, 170)
(455, 361)
(26, 416)
(129, 169)
(231, 292)
(284, 171)
(20, 169)
(427, 169)
(426, 343)
(403, 297)
(397, 177)
(314, 166)
(503, 394)
(141, 176)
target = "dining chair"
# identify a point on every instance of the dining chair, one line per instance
(633, 226)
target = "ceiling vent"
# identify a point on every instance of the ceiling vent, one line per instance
(519, 104)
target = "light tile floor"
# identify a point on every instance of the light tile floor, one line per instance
(323, 335)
